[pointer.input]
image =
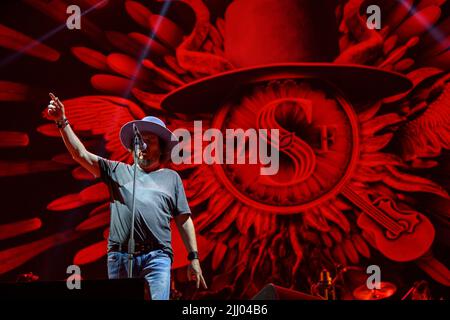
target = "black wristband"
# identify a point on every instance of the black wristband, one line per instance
(192, 255)
(61, 124)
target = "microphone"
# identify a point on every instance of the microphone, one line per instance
(141, 144)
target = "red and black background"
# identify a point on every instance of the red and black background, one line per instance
(55, 214)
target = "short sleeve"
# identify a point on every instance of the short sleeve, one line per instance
(181, 203)
(109, 177)
(106, 169)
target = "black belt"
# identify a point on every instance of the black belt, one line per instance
(139, 248)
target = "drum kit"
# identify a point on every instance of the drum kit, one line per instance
(385, 290)
(336, 288)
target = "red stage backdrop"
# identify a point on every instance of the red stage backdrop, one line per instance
(364, 161)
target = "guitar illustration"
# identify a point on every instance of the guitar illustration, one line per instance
(401, 235)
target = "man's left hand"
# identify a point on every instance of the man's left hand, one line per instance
(195, 273)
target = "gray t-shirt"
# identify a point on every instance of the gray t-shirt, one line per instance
(159, 196)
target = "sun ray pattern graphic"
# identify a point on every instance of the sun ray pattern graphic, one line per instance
(324, 207)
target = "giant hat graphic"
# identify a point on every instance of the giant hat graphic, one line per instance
(282, 39)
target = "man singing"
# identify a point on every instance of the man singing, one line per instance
(159, 195)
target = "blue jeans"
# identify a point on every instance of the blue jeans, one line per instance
(154, 266)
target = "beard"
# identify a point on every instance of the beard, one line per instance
(145, 162)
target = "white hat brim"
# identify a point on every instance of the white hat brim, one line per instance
(127, 134)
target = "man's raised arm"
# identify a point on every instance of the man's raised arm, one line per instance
(56, 112)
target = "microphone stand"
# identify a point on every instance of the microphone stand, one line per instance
(131, 242)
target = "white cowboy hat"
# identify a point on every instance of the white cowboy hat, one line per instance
(153, 125)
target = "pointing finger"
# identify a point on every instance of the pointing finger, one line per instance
(55, 99)
(203, 282)
(52, 96)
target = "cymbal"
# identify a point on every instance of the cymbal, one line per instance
(386, 290)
